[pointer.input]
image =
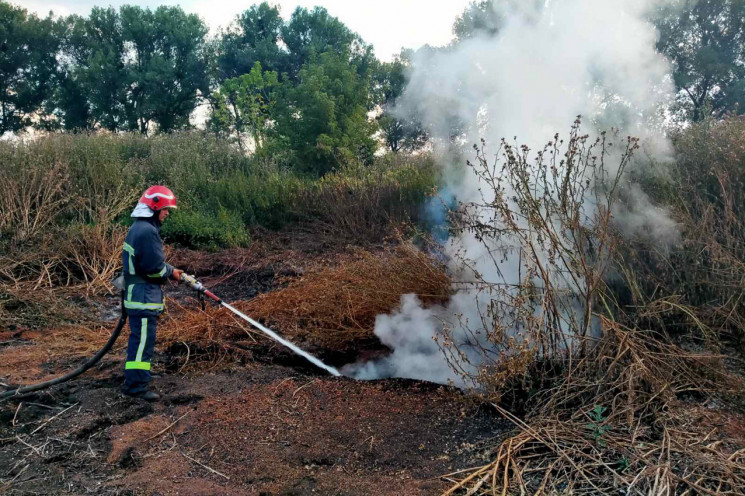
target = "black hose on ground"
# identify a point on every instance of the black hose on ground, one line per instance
(23, 390)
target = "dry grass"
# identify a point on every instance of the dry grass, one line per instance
(37, 281)
(706, 267)
(24, 362)
(25, 306)
(618, 420)
(343, 302)
(611, 404)
(86, 256)
(330, 307)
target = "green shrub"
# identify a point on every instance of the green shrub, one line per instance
(360, 202)
(263, 198)
(97, 178)
(201, 229)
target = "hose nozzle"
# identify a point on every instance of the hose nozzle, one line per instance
(192, 282)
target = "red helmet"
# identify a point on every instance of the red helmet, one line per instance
(158, 197)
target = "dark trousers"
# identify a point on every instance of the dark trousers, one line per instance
(139, 353)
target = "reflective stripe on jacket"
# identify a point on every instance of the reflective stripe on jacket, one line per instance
(145, 268)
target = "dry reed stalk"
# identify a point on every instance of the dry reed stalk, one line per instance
(31, 197)
(88, 256)
(649, 442)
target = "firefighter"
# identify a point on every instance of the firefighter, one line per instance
(145, 271)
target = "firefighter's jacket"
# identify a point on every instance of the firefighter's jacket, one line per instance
(145, 268)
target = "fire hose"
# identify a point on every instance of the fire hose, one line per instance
(197, 286)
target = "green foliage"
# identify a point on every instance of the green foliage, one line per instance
(323, 119)
(206, 230)
(484, 18)
(301, 89)
(360, 202)
(704, 41)
(131, 69)
(262, 199)
(399, 133)
(597, 415)
(254, 38)
(623, 464)
(168, 68)
(244, 105)
(28, 48)
(87, 179)
(312, 32)
(309, 108)
(93, 76)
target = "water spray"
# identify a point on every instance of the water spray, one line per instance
(199, 288)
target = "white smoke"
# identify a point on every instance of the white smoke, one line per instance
(594, 58)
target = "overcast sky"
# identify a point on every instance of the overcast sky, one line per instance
(387, 24)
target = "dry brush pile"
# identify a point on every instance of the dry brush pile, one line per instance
(332, 307)
(604, 398)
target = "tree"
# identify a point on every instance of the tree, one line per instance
(167, 69)
(479, 18)
(244, 104)
(310, 33)
(254, 38)
(323, 119)
(399, 132)
(93, 85)
(28, 63)
(704, 39)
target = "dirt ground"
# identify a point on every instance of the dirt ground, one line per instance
(274, 425)
(267, 429)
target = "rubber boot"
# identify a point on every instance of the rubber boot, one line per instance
(145, 395)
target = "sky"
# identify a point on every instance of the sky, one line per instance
(388, 25)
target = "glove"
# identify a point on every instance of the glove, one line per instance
(177, 275)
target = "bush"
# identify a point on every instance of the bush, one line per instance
(361, 203)
(59, 179)
(260, 199)
(205, 230)
(706, 268)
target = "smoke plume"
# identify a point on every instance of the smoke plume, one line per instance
(547, 64)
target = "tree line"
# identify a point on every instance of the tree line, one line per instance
(304, 90)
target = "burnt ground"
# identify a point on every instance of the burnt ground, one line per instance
(272, 426)
(265, 429)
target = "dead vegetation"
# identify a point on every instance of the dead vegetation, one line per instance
(620, 418)
(332, 307)
(37, 281)
(57, 236)
(602, 398)
(32, 356)
(705, 269)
